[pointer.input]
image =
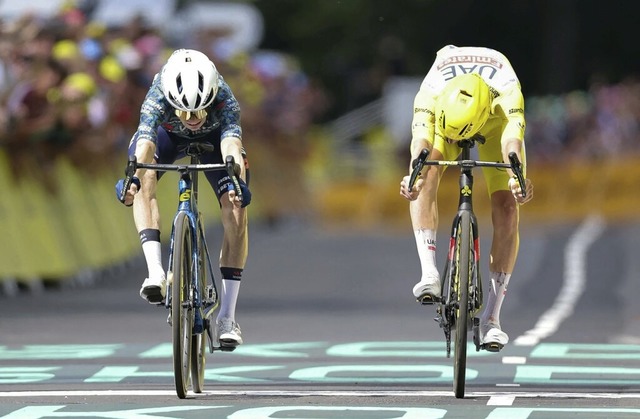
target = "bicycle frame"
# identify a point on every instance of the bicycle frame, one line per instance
(465, 205)
(188, 204)
(461, 293)
(190, 298)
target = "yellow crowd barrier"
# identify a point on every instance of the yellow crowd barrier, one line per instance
(562, 193)
(78, 226)
(565, 191)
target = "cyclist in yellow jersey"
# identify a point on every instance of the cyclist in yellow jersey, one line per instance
(469, 91)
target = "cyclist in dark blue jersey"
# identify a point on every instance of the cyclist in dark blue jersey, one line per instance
(190, 101)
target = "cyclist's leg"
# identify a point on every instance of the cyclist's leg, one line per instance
(147, 217)
(424, 218)
(504, 246)
(233, 254)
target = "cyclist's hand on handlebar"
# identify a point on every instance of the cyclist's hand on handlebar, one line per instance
(246, 194)
(133, 189)
(412, 194)
(516, 190)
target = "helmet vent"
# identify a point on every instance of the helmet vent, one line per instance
(463, 130)
(208, 98)
(200, 82)
(464, 92)
(179, 83)
(172, 99)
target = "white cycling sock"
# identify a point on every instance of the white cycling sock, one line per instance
(153, 255)
(497, 292)
(426, 245)
(228, 298)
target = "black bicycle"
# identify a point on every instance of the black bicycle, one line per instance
(192, 294)
(461, 293)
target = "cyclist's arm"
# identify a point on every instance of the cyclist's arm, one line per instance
(422, 126)
(512, 140)
(145, 151)
(153, 111)
(231, 137)
(232, 146)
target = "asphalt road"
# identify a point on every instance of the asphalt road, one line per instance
(331, 331)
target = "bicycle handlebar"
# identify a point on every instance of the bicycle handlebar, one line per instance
(516, 167)
(421, 161)
(128, 177)
(417, 165)
(232, 168)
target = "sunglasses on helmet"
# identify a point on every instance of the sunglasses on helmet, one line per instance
(186, 115)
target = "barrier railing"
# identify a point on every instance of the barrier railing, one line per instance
(80, 227)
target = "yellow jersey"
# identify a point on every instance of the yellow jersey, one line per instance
(507, 107)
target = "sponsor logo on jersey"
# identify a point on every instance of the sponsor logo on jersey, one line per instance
(425, 110)
(485, 71)
(473, 59)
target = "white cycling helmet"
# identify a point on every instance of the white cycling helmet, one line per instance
(189, 80)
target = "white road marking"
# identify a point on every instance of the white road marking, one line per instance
(501, 400)
(326, 393)
(519, 360)
(573, 282)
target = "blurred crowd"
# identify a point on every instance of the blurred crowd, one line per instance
(71, 86)
(599, 123)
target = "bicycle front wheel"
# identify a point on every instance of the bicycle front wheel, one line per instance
(463, 273)
(199, 341)
(181, 310)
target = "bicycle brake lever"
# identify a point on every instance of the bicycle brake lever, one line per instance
(233, 170)
(418, 165)
(128, 176)
(516, 167)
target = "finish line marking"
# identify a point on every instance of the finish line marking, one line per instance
(503, 396)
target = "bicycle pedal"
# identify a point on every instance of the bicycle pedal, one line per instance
(225, 348)
(427, 299)
(210, 295)
(492, 347)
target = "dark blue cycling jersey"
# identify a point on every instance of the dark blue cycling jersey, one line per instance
(159, 124)
(223, 114)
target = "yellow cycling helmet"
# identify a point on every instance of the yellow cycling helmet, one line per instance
(463, 107)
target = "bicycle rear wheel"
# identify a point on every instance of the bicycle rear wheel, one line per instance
(199, 341)
(181, 310)
(463, 273)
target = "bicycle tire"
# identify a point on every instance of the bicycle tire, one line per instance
(199, 341)
(181, 311)
(463, 273)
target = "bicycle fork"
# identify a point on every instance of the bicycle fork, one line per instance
(446, 310)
